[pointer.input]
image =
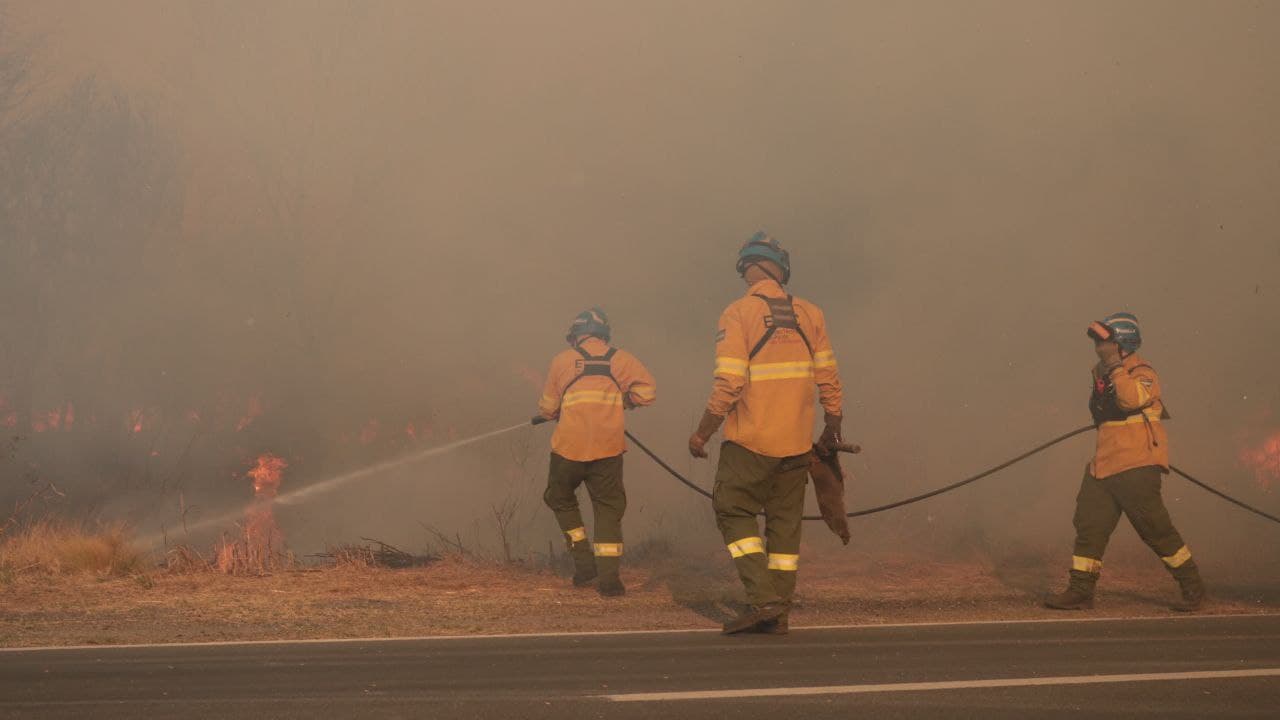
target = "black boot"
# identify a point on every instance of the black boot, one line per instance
(753, 616)
(1077, 596)
(1188, 577)
(778, 626)
(611, 586)
(584, 563)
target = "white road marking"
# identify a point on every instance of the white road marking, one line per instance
(946, 685)
(611, 633)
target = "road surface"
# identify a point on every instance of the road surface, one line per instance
(1172, 667)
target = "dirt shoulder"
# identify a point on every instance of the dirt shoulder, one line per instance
(454, 597)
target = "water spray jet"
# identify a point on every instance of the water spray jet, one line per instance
(305, 493)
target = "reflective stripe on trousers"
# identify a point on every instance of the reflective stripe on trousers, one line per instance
(746, 546)
(784, 561)
(1179, 558)
(608, 549)
(1084, 564)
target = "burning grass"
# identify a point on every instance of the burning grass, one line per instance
(61, 547)
(259, 547)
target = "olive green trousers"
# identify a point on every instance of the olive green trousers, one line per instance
(748, 483)
(1135, 494)
(603, 479)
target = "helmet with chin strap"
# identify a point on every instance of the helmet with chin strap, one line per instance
(593, 322)
(1124, 330)
(763, 246)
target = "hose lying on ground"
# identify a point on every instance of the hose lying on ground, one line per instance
(948, 488)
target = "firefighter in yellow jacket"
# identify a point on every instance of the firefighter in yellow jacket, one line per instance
(773, 360)
(588, 387)
(1126, 472)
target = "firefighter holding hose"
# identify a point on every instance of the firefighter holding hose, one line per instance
(773, 360)
(587, 388)
(1127, 469)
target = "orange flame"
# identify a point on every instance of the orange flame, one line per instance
(135, 420)
(1264, 461)
(266, 475)
(52, 420)
(257, 551)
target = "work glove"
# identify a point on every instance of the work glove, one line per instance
(698, 440)
(1109, 353)
(627, 402)
(697, 445)
(831, 436)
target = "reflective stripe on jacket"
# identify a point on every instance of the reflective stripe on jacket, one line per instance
(768, 400)
(1139, 439)
(590, 407)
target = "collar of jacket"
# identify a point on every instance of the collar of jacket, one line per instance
(767, 287)
(1130, 361)
(594, 345)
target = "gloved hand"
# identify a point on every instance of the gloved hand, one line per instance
(698, 440)
(697, 445)
(1109, 353)
(831, 436)
(627, 402)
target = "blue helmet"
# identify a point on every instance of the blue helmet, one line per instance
(1124, 330)
(592, 321)
(762, 246)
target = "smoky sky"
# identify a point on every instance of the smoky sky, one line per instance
(377, 214)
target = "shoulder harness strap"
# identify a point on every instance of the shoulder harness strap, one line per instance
(782, 314)
(597, 365)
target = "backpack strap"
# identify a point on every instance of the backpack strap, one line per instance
(595, 365)
(782, 314)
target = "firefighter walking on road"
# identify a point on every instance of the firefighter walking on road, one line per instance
(588, 386)
(1127, 469)
(773, 359)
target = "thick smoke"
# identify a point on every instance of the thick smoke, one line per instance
(354, 230)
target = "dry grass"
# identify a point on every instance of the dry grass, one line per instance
(376, 554)
(184, 559)
(62, 583)
(460, 596)
(249, 555)
(58, 547)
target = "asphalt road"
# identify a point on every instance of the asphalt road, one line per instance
(1189, 667)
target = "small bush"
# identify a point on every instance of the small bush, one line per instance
(67, 548)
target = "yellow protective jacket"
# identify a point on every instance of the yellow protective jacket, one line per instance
(766, 391)
(1128, 407)
(587, 396)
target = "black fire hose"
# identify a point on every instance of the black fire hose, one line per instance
(948, 488)
(1225, 496)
